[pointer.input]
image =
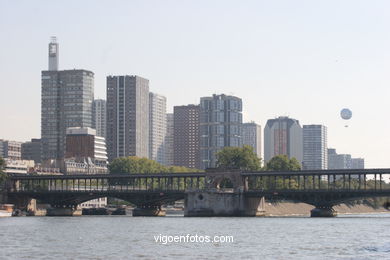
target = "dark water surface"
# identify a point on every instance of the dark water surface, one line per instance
(124, 237)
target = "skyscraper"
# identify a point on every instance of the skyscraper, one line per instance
(32, 150)
(53, 54)
(283, 135)
(186, 136)
(357, 163)
(99, 117)
(67, 98)
(168, 142)
(220, 126)
(157, 126)
(251, 135)
(127, 116)
(315, 147)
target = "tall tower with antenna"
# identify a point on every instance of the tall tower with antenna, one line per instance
(53, 54)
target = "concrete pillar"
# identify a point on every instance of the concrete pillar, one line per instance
(323, 212)
(148, 211)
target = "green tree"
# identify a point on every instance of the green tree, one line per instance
(282, 163)
(133, 164)
(3, 175)
(243, 158)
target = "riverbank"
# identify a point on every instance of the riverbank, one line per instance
(302, 209)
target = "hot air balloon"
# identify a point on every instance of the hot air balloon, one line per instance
(346, 114)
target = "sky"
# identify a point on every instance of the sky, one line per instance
(304, 59)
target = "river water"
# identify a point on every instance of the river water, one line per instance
(125, 237)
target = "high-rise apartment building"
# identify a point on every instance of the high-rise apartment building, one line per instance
(168, 143)
(186, 136)
(251, 135)
(220, 126)
(338, 161)
(32, 150)
(357, 163)
(67, 98)
(283, 136)
(315, 147)
(99, 117)
(157, 126)
(127, 116)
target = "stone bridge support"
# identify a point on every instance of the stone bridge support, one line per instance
(324, 211)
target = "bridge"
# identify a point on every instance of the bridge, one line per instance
(212, 193)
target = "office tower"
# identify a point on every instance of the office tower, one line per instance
(157, 126)
(168, 143)
(251, 135)
(357, 163)
(10, 149)
(338, 161)
(53, 54)
(315, 147)
(99, 117)
(67, 98)
(220, 126)
(186, 136)
(283, 135)
(127, 116)
(32, 150)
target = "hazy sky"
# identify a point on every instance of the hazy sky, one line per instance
(304, 59)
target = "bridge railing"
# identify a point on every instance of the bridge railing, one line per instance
(107, 183)
(318, 180)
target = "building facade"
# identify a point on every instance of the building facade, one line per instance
(357, 163)
(99, 114)
(251, 135)
(11, 149)
(338, 161)
(32, 150)
(168, 142)
(315, 147)
(157, 126)
(283, 136)
(186, 141)
(220, 126)
(127, 116)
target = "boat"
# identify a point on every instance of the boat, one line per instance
(6, 210)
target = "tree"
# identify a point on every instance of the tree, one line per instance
(3, 175)
(282, 163)
(133, 164)
(243, 158)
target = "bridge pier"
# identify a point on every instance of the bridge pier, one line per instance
(63, 211)
(222, 204)
(323, 212)
(148, 211)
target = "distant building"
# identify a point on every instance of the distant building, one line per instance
(357, 163)
(168, 142)
(11, 149)
(127, 116)
(32, 150)
(53, 54)
(13, 166)
(82, 142)
(220, 126)
(251, 135)
(99, 117)
(283, 136)
(338, 161)
(157, 126)
(186, 136)
(315, 147)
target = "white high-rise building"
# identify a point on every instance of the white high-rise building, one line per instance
(99, 117)
(157, 126)
(251, 135)
(315, 147)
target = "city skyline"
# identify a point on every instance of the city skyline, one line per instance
(348, 68)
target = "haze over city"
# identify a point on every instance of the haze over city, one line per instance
(300, 59)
